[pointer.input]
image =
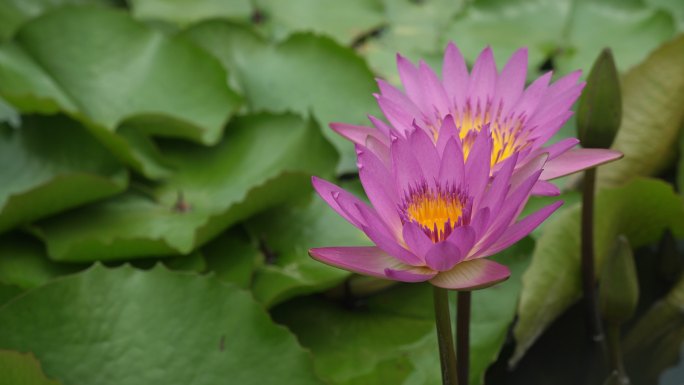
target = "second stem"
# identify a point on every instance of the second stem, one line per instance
(588, 275)
(463, 336)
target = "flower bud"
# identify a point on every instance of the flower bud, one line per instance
(619, 290)
(600, 108)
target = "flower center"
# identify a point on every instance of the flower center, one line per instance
(507, 133)
(437, 211)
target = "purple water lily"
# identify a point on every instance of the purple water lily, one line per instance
(435, 212)
(521, 120)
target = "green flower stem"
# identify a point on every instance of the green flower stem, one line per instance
(463, 336)
(447, 356)
(614, 352)
(588, 274)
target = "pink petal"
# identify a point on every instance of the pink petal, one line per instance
(380, 125)
(532, 96)
(390, 92)
(380, 150)
(455, 75)
(495, 194)
(544, 188)
(424, 149)
(477, 167)
(363, 260)
(411, 80)
(471, 275)
(559, 147)
(378, 232)
(378, 184)
(563, 84)
(447, 131)
(358, 134)
(433, 90)
(521, 229)
(411, 274)
(405, 166)
(452, 168)
(528, 168)
(482, 79)
(416, 239)
(578, 160)
(464, 238)
(480, 220)
(511, 83)
(443, 256)
(398, 117)
(332, 193)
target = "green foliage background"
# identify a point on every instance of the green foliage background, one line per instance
(155, 199)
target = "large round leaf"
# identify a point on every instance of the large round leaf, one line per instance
(345, 21)
(287, 234)
(24, 263)
(50, 165)
(305, 73)
(21, 369)
(128, 327)
(191, 11)
(263, 160)
(565, 30)
(106, 69)
(13, 13)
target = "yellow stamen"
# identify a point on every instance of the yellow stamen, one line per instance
(436, 213)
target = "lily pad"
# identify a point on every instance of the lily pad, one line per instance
(563, 30)
(287, 234)
(305, 73)
(185, 12)
(50, 165)
(24, 263)
(13, 13)
(21, 369)
(124, 74)
(263, 160)
(344, 21)
(127, 327)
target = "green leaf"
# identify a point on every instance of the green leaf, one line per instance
(674, 7)
(21, 369)
(680, 164)
(565, 30)
(653, 93)
(263, 160)
(8, 292)
(50, 165)
(655, 341)
(641, 210)
(124, 74)
(391, 336)
(126, 327)
(304, 73)
(343, 21)
(184, 12)
(232, 258)
(413, 29)
(630, 30)
(288, 233)
(13, 13)
(24, 263)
